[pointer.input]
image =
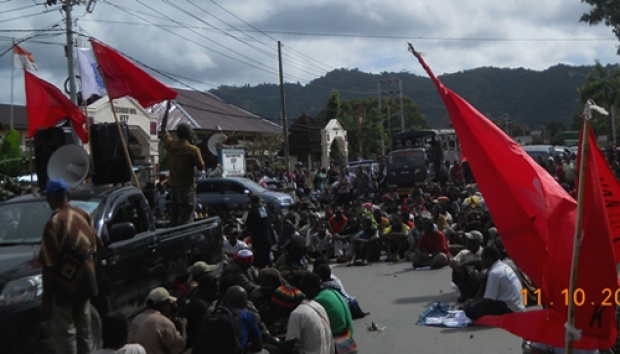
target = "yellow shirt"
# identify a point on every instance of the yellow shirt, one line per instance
(183, 157)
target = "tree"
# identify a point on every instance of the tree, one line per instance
(10, 154)
(603, 86)
(332, 110)
(606, 11)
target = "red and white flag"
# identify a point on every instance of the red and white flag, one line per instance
(23, 58)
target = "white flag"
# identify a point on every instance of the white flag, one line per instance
(23, 58)
(92, 82)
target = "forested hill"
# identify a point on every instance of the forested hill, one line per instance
(529, 97)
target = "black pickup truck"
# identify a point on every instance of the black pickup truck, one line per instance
(136, 257)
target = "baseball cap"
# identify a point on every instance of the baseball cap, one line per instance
(201, 267)
(159, 295)
(474, 235)
(56, 186)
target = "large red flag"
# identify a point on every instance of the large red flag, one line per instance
(534, 215)
(46, 106)
(123, 78)
(611, 193)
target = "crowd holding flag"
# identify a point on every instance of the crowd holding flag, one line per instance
(536, 219)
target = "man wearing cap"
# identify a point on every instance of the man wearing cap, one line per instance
(466, 264)
(68, 247)
(183, 157)
(242, 267)
(154, 328)
(308, 324)
(432, 249)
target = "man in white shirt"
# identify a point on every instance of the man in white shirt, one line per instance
(232, 244)
(503, 289)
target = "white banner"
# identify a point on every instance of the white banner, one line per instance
(92, 82)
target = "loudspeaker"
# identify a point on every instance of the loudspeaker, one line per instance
(108, 155)
(46, 142)
(71, 163)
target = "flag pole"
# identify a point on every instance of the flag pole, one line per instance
(120, 132)
(12, 87)
(572, 333)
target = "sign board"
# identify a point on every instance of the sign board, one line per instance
(233, 162)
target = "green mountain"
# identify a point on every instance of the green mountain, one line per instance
(528, 97)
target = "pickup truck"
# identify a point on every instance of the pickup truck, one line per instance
(136, 257)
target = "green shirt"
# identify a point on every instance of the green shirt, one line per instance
(337, 310)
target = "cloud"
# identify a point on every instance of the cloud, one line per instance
(234, 42)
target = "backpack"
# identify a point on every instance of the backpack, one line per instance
(219, 333)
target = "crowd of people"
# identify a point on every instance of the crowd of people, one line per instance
(276, 292)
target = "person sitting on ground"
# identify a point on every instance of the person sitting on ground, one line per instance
(342, 240)
(201, 301)
(439, 217)
(380, 219)
(248, 334)
(293, 263)
(330, 281)
(432, 249)
(319, 241)
(364, 243)
(456, 233)
(336, 307)
(242, 265)
(157, 328)
(232, 244)
(269, 280)
(465, 266)
(115, 329)
(395, 237)
(308, 326)
(288, 231)
(338, 221)
(502, 292)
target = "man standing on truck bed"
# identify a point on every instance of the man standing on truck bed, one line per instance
(183, 157)
(67, 249)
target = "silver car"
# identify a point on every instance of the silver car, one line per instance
(234, 193)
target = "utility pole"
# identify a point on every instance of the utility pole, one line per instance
(391, 94)
(381, 115)
(283, 112)
(68, 5)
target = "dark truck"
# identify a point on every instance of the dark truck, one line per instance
(136, 257)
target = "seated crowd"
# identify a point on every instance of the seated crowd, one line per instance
(276, 292)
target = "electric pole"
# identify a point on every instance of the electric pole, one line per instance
(283, 112)
(68, 5)
(394, 90)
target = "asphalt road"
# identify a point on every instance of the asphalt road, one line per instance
(396, 294)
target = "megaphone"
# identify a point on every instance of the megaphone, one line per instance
(69, 162)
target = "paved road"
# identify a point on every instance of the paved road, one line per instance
(395, 294)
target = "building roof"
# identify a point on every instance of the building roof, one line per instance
(20, 117)
(210, 112)
(305, 136)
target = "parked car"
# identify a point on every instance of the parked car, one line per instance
(234, 192)
(546, 151)
(135, 258)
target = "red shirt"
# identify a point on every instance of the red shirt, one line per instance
(434, 243)
(337, 224)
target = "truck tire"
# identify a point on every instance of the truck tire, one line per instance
(95, 327)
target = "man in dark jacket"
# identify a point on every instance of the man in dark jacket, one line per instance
(260, 227)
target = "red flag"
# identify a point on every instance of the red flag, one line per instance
(535, 217)
(46, 106)
(611, 193)
(123, 78)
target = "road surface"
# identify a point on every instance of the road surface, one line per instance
(396, 294)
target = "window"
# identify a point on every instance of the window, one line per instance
(231, 187)
(130, 210)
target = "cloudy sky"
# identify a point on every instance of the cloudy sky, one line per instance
(204, 44)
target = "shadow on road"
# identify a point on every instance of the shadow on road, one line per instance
(467, 329)
(444, 297)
